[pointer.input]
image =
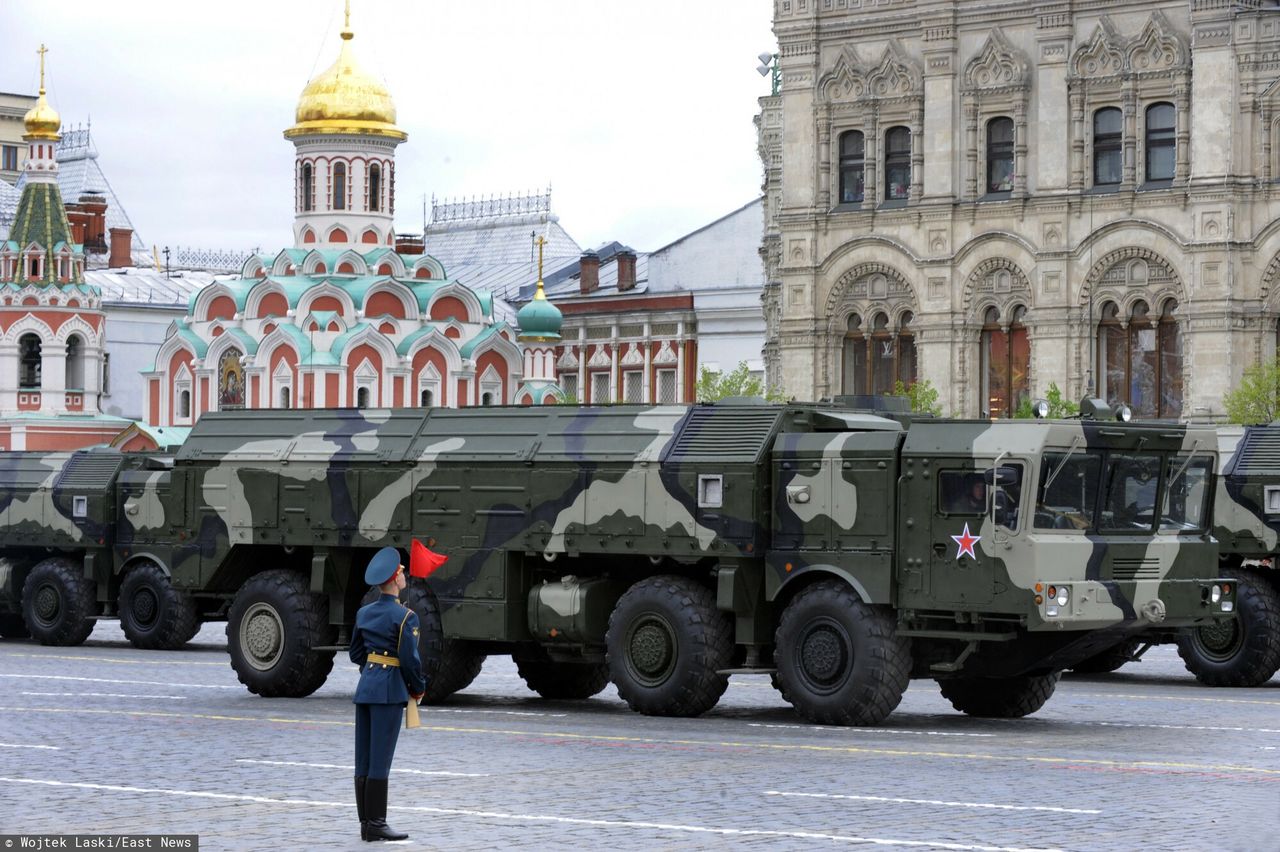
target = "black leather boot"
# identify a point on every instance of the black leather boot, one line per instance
(375, 810)
(360, 785)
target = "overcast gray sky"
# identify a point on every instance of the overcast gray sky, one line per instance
(638, 114)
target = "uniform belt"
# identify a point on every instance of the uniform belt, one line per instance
(383, 660)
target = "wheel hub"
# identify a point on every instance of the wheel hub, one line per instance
(145, 606)
(47, 602)
(1221, 639)
(826, 656)
(262, 636)
(651, 650)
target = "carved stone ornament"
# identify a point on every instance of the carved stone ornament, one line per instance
(568, 361)
(665, 355)
(634, 357)
(996, 279)
(894, 75)
(867, 283)
(600, 358)
(1102, 55)
(998, 65)
(1133, 267)
(1157, 48)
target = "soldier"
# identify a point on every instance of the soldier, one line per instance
(388, 680)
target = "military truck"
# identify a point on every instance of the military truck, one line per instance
(666, 548)
(1245, 649)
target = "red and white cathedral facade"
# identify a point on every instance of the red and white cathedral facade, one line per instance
(342, 319)
(51, 321)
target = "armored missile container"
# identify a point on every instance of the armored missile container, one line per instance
(666, 548)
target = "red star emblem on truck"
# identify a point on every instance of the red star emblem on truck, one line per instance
(965, 542)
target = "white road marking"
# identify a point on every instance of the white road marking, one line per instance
(1185, 727)
(833, 729)
(938, 802)
(131, 682)
(349, 768)
(1133, 697)
(543, 818)
(26, 745)
(104, 695)
(138, 661)
(495, 712)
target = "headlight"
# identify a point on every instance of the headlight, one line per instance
(1215, 594)
(1051, 610)
(1228, 606)
(1040, 408)
(1124, 413)
(1063, 596)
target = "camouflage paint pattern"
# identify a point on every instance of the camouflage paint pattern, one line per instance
(758, 499)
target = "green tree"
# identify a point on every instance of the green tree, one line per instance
(1060, 408)
(922, 394)
(713, 385)
(1257, 399)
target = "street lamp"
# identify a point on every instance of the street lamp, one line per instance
(769, 66)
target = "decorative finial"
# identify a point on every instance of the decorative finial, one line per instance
(346, 22)
(540, 295)
(42, 51)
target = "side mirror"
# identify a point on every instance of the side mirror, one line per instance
(1003, 475)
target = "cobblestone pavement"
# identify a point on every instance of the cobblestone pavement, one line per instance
(105, 738)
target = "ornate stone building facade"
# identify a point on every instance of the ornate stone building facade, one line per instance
(997, 195)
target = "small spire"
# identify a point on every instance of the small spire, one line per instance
(346, 22)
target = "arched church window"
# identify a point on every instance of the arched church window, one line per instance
(285, 397)
(340, 186)
(184, 404)
(362, 397)
(1000, 155)
(75, 363)
(308, 186)
(1006, 359)
(853, 166)
(29, 361)
(427, 399)
(855, 356)
(906, 369)
(375, 188)
(1140, 361)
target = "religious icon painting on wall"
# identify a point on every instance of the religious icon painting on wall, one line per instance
(230, 380)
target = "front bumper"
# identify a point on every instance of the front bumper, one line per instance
(1093, 605)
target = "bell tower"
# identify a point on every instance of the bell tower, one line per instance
(345, 139)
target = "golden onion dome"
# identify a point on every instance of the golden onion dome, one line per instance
(42, 121)
(344, 99)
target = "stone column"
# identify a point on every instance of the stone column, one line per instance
(824, 169)
(1020, 147)
(1183, 108)
(1129, 177)
(917, 155)
(8, 378)
(53, 377)
(646, 381)
(970, 147)
(1078, 179)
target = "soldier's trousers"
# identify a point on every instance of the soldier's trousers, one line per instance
(377, 729)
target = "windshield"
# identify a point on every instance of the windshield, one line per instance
(1131, 482)
(1186, 493)
(1068, 491)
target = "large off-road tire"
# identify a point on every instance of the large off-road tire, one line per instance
(666, 642)
(839, 660)
(558, 680)
(1110, 659)
(1241, 651)
(449, 665)
(13, 627)
(999, 697)
(273, 625)
(153, 614)
(58, 603)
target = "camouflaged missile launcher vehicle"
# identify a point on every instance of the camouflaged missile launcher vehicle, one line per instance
(1244, 651)
(664, 548)
(66, 554)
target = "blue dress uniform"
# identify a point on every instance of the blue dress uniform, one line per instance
(385, 646)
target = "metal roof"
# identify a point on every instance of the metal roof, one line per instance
(78, 173)
(146, 286)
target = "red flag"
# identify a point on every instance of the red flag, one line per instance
(423, 561)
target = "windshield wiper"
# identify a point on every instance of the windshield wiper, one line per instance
(1190, 457)
(1075, 445)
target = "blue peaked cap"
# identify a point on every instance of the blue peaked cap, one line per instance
(382, 567)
